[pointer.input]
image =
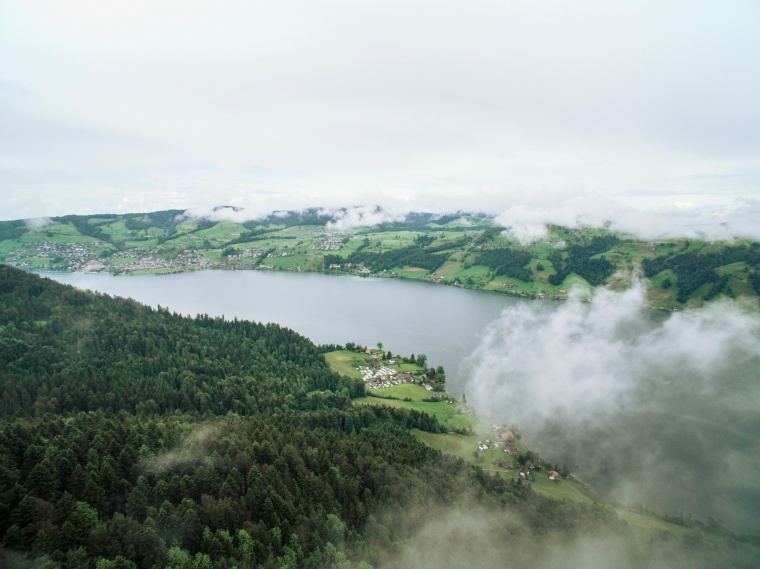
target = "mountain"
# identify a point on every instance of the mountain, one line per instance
(133, 437)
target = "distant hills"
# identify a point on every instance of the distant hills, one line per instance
(460, 249)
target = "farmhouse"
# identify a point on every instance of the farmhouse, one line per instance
(507, 436)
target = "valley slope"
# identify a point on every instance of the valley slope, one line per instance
(133, 437)
(461, 250)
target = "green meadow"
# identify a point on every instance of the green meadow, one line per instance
(461, 244)
(644, 526)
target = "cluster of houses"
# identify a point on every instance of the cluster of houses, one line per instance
(72, 256)
(501, 439)
(188, 259)
(86, 257)
(526, 470)
(331, 242)
(255, 254)
(247, 254)
(378, 378)
(504, 438)
(488, 444)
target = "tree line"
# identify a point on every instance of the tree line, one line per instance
(694, 270)
(509, 262)
(579, 259)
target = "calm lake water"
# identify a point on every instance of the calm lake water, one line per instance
(442, 322)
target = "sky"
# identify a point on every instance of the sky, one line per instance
(638, 112)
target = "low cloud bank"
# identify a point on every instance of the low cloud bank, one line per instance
(647, 408)
(528, 223)
(361, 216)
(501, 539)
(527, 220)
(38, 222)
(340, 218)
(226, 213)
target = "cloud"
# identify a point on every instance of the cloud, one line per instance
(473, 536)
(361, 216)
(652, 408)
(236, 214)
(38, 222)
(342, 217)
(528, 223)
(192, 448)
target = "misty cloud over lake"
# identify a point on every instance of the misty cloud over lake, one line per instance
(652, 409)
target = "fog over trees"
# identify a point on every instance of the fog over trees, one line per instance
(652, 409)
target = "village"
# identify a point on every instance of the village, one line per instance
(378, 374)
(95, 257)
(331, 242)
(67, 256)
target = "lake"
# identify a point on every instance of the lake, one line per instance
(408, 317)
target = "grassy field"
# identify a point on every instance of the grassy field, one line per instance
(289, 262)
(9, 245)
(558, 489)
(146, 244)
(460, 446)
(446, 413)
(407, 391)
(409, 272)
(221, 233)
(124, 260)
(56, 233)
(346, 362)
(117, 230)
(644, 527)
(449, 271)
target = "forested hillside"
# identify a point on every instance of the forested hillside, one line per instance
(64, 350)
(132, 437)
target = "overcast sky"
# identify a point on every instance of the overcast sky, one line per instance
(140, 105)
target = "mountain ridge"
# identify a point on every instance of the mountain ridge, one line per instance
(464, 250)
